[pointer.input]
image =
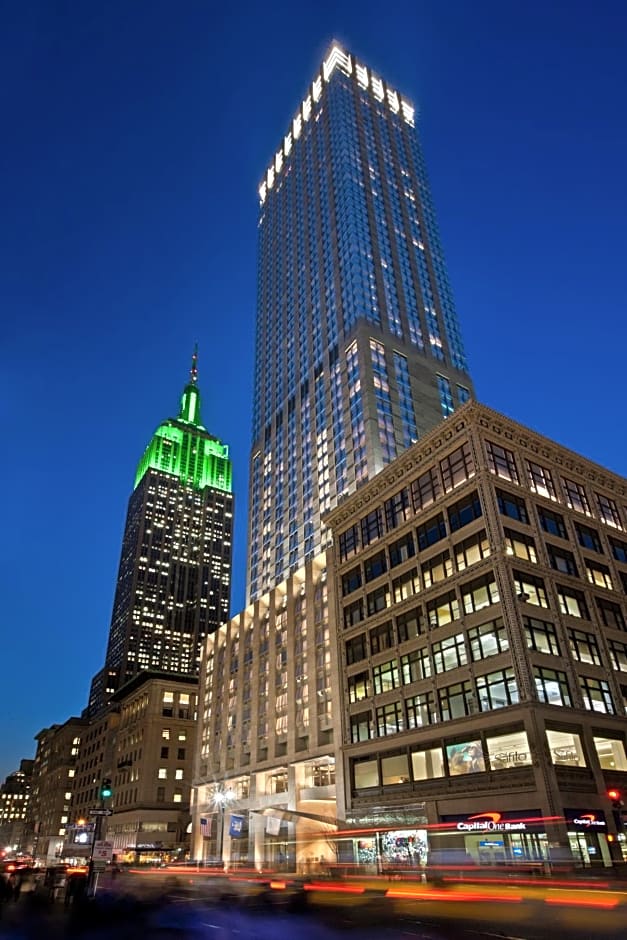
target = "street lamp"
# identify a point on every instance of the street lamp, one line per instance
(220, 798)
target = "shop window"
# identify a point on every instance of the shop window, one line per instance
(442, 610)
(619, 550)
(565, 748)
(572, 602)
(596, 695)
(521, 545)
(415, 665)
(361, 727)
(480, 593)
(351, 581)
(385, 676)
(541, 480)
(512, 506)
(471, 550)
(530, 589)
(502, 462)
(562, 560)
(551, 686)
(552, 522)
(449, 653)
(584, 647)
(456, 701)
(409, 625)
(390, 719)
(599, 575)
(402, 550)
(464, 512)
(421, 710)
(576, 496)
(437, 569)
(465, 758)
(608, 511)
(405, 586)
(611, 753)
(488, 639)
(427, 764)
(588, 538)
(356, 649)
(381, 637)
(397, 509)
(358, 687)
(611, 614)
(366, 774)
(497, 690)
(378, 600)
(375, 566)
(457, 467)
(431, 532)
(425, 489)
(506, 751)
(395, 769)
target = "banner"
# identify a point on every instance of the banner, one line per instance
(235, 827)
(273, 825)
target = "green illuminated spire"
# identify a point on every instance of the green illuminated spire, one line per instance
(183, 447)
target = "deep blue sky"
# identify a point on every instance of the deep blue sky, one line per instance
(133, 139)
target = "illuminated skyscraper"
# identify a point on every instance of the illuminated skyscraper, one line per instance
(174, 580)
(358, 349)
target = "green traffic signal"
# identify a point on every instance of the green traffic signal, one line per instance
(105, 789)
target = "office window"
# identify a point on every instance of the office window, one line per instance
(506, 751)
(572, 602)
(562, 560)
(489, 639)
(427, 764)
(162, 773)
(426, 489)
(464, 512)
(611, 614)
(596, 695)
(395, 769)
(588, 537)
(576, 496)
(457, 467)
(471, 550)
(541, 480)
(351, 581)
(180, 753)
(361, 727)
(551, 686)
(442, 610)
(378, 600)
(349, 542)
(178, 773)
(385, 676)
(497, 689)
(521, 545)
(619, 550)
(365, 774)
(541, 636)
(480, 593)
(618, 655)
(611, 753)
(397, 509)
(358, 687)
(608, 511)
(512, 506)
(502, 462)
(584, 647)
(599, 575)
(431, 532)
(415, 665)
(160, 794)
(390, 719)
(449, 653)
(356, 649)
(402, 550)
(381, 637)
(565, 748)
(421, 710)
(456, 701)
(437, 569)
(371, 527)
(176, 798)
(409, 624)
(530, 589)
(405, 586)
(552, 522)
(165, 751)
(353, 613)
(375, 566)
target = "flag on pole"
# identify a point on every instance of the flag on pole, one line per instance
(205, 828)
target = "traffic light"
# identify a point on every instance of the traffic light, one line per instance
(617, 805)
(105, 789)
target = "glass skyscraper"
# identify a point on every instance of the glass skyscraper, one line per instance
(174, 580)
(358, 347)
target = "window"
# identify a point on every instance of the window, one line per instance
(471, 550)
(353, 613)
(431, 532)
(365, 774)
(488, 639)
(611, 614)
(406, 585)
(501, 462)
(160, 794)
(456, 701)
(565, 748)
(608, 511)
(421, 710)
(177, 797)
(530, 589)
(437, 569)
(497, 689)
(361, 727)
(356, 649)
(520, 545)
(457, 467)
(397, 509)
(162, 773)
(611, 753)
(165, 734)
(588, 537)
(178, 773)
(618, 655)
(465, 758)
(443, 609)
(576, 496)
(425, 490)
(165, 752)
(427, 764)
(358, 687)
(512, 506)
(572, 602)
(599, 574)
(409, 625)
(402, 550)
(465, 511)
(349, 542)
(390, 719)
(449, 653)
(541, 480)
(552, 522)
(375, 566)
(395, 769)
(480, 593)
(551, 686)
(371, 527)
(596, 695)
(541, 636)
(584, 647)
(385, 676)
(415, 665)
(619, 550)
(351, 581)
(378, 600)
(506, 751)
(381, 637)
(562, 560)
(180, 753)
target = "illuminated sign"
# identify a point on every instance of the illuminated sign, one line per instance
(493, 821)
(585, 819)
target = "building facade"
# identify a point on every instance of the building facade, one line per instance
(174, 579)
(358, 347)
(482, 610)
(14, 797)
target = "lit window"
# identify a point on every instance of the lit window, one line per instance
(162, 773)
(565, 748)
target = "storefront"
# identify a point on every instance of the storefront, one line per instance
(587, 837)
(492, 838)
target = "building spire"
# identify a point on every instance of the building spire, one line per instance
(193, 372)
(190, 402)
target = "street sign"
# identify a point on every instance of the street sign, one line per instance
(103, 851)
(101, 812)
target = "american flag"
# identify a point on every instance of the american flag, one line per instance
(205, 828)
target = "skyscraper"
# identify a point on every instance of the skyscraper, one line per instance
(174, 579)
(358, 348)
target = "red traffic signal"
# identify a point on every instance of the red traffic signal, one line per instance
(614, 795)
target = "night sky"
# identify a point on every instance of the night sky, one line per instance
(134, 136)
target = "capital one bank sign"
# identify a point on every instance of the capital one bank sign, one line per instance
(523, 821)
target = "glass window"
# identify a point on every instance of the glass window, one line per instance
(530, 589)
(619, 550)
(608, 511)
(552, 522)
(375, 566)
(611, 753)
(584, 647)
(488, 639)
(356, 649)
(618, 655)
(576, 496)
(508, 750)
(588, 537)
(551, 686)
(426, 489)
(501, 462)
(611, 614)
(405, 586)
(442, 610)
(378, 600)
(512, 506)
(395, 769)
(464, 511)
(456, 701)
(457, 467)
(465, 758)
(390, 719)
(449, 653)
(596, 695)
(402, 550)
(349, 542)
(409, 624)
(471, 550)
(385, 676)
(361, 727)
(521, 545)
(162, 773)
(565, 748)
(427, 764)
(431, 532)
(397, 509)
(480, 593)
(415, 665)
(358, 686)
(366, 774)
(541, 636)
(572, 602)
(562, 560)
(353, 613)
(497, 689)
(599, 574)
(381, 637)
(541, 480)
(371, 527)
(437, 569)
(421, 710)
(351, 581)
